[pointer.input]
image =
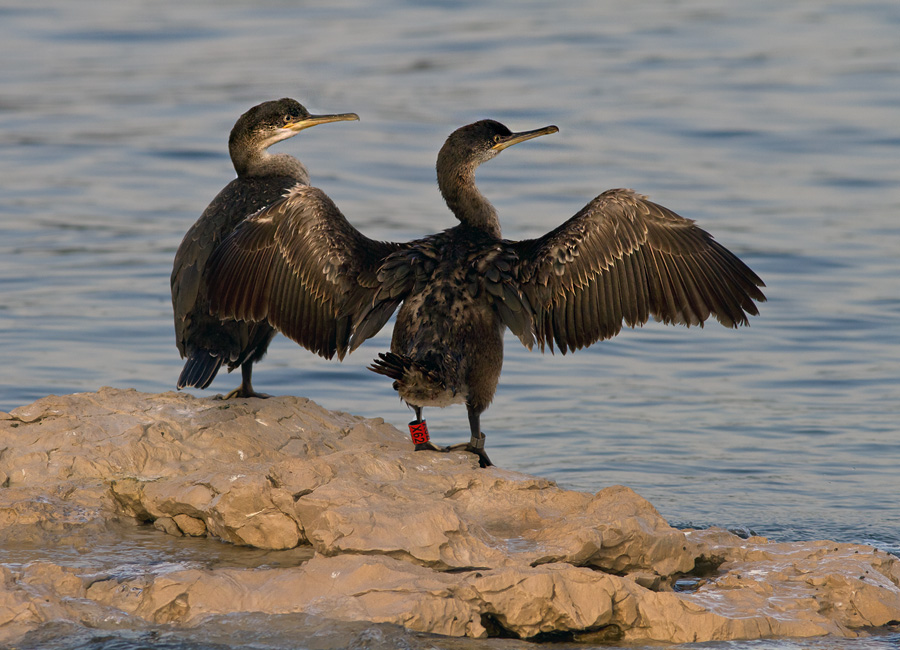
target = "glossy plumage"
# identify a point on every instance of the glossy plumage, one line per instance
(262, 179)
(620, 260)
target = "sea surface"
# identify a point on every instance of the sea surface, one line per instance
(776, 125)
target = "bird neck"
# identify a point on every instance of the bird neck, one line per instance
(458, 188)
(253, 160)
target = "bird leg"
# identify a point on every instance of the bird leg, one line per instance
(418, 430)
(246, 387)
(476, 442)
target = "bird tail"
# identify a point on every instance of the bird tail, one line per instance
(391, 365)
(199, 370)
(412, 373)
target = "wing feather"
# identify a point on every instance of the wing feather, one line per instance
(623, 259)
(300, 265)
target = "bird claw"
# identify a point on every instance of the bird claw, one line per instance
(483, 460)
(241, 392)
(419, 431)
(430, 446)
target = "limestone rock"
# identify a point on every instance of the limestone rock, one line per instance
(190, 526)
(167, 525)
(423, 540)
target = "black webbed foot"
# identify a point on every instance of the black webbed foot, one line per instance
(483, 460)
(240, 391)
(476, 442)
(418, 430)
(430, 446)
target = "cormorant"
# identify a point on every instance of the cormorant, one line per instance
(262, 179)
(621, 259)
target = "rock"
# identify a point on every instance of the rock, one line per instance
(168, 526)
(192, 527)
(422, 540)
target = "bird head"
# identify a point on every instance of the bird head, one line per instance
(277, 120)
(475, 143)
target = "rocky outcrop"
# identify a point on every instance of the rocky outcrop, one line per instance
(424, 540)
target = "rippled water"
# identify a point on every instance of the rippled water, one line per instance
(775, 125)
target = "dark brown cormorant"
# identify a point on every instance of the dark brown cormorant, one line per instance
(621, 259)
(262, 179)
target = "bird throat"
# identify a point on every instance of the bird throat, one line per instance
(468, 204)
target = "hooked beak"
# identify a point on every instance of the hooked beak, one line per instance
(313, 120)
(522, 136)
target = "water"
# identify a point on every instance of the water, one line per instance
(774, 124)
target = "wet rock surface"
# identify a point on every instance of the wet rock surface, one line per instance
(349, 524)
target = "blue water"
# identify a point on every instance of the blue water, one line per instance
(775, 125)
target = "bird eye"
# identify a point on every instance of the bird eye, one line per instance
(497, 139)
(287, 119)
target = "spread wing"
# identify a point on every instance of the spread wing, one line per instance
(194, 326)
(622, 259)
(302, 266)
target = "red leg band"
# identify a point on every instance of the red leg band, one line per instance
(419, 432)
